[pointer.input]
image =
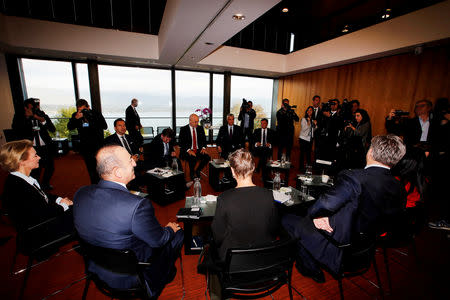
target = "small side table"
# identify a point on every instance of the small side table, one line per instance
(215, 181)
(164, 190)
(315, 186)
(61, 145)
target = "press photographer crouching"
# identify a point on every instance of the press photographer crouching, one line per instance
(33, 124)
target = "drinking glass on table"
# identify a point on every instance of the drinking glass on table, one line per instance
(308, 171)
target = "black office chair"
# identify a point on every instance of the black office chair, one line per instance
(148, 134)
(29, 242)
(250, 273)
(358, 256)
(118, 261)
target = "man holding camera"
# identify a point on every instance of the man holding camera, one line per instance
(285, 127)
(90, 125)
(33, 124)
(247, 117)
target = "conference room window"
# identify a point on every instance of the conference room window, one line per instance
(52, 83)
(257, 90)
(192, 93)
(83, 82)
(152, 87)
(217, 101)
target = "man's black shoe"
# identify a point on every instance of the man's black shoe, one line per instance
(317, 276)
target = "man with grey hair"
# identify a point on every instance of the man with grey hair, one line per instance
(108, 215)
(362, 201)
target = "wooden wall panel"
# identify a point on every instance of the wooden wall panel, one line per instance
(381, 84)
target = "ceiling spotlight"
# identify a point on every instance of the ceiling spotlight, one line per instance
(345, 29)
(387, 13)
(238, 17)
(285, 10)
(209, 43)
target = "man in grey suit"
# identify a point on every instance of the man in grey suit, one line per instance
(108, 215)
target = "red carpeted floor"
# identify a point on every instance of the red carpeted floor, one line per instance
(426, 277)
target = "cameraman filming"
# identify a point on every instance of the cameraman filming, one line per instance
(33, 124)
(285, 127)
(90, 125)
(247, 116)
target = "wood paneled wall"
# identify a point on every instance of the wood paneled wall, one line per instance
(380, 84)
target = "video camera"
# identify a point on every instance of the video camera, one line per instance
(289, 107)
(245, 104)
(401, 113)
(87, 113)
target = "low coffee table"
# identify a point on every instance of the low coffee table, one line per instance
(165, 189)
(217, 183)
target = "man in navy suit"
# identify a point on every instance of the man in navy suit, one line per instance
(120, 138)
(108, 215)
(362, 201)
(230, 137)
(193, 146)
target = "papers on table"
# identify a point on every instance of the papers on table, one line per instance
(281, 196)
(210, 198)
(161, 172)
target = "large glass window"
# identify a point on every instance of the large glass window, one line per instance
(52, 83)
(258, 90)
(83, 82)
(192, 93)
(152, 87)
(218, 99)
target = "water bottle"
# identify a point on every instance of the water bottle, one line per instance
(174, 165)
(283, 159)
(197, 192)
(277, 182)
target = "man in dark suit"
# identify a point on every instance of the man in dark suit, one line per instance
(120, 138)
(133, 122)
(162, 150)
(317, 116)
(362, 201)
(108, 215)
(247, 117)
(193, 146)
(285, 128)
(229, 138)
(33, 124)
(90, 125)
(263, 144)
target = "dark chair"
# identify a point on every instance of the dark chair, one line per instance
(148, 134)
(160, 129)
(29, 242)
(250, 273)
(118, 261)
(358, 256)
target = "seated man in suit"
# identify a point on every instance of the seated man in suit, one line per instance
(161, 150)
(230, 137)
(362, 201)
(108, 215)
(263, 144)
(193, 146)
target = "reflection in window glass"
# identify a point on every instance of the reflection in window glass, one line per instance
(258, 90)
(152, 87)
(83, 82)
(51, 82)
(192, 93)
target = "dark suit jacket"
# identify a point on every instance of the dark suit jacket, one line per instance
(252, 116)
(23, 128)
(270, 138)
(411, 129)
(229, 145)
(113, 139)
(26, 205)
(367, 201)
(238, 224)
(108, 215)
(91, 137)
(132, 119)
(186, 139)
(157, 158)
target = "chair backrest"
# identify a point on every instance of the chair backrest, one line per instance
(148, 130)
(9, 135)
(358, 256)
(114, 260)
(277, 256)
(160, 129)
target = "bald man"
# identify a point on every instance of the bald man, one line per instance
(108, 215)
(193, 146)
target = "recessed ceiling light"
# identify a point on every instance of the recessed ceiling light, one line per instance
(238, 17)
(285, 10)
(209, 43)
(387, 13)
(345, 29)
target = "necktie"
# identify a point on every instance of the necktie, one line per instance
(166, 149)
(41, 192)
(194, 140)
(231, 132)
(135, 111)
(264, 137)
(125, 143)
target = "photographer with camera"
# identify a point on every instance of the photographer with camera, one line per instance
(416, 131)
(285, 127)
(247, 116)
(33, 124)
(329, 131)
(90, 125)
